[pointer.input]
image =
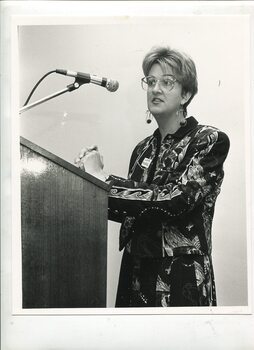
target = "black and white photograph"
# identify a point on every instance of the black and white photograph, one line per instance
(164, 139)
(130, 145)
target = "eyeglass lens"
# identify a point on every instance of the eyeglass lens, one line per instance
(166, 82)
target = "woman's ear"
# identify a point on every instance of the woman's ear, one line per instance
(185, 97)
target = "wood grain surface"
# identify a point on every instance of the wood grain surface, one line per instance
(64, 235)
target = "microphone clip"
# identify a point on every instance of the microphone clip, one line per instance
(77, 83)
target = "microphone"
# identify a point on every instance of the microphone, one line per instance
(110, 85)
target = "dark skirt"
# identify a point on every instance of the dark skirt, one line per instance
(185, 280)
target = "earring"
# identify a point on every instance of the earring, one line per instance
(183, 122)
(149, 117)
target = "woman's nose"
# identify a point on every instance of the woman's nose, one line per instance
(156, 87)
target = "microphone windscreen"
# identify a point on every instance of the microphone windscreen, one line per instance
(112, 85)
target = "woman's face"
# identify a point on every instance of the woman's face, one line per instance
(161, 100)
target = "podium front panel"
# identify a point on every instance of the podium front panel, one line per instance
(64, 236)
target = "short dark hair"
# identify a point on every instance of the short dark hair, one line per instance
(182, 65)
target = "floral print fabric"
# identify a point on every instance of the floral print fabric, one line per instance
(186, 280)
(166, 206)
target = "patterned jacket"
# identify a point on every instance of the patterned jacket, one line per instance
(166, 205)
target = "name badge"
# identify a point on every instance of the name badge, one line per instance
(146, 162)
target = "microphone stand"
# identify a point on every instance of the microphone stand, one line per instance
(69, 88)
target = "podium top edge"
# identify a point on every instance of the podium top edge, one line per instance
(63, 163)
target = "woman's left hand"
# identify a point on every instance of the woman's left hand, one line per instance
(91, 161)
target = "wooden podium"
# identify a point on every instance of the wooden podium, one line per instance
(64, 232)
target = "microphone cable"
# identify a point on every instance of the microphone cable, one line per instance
(36, 85)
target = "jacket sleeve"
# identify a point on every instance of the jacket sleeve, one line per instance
(199, 171)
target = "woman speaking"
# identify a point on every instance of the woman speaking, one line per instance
(166, 205)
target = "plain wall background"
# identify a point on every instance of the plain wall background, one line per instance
(116, 121)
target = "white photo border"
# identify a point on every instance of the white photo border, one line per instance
(10, 130)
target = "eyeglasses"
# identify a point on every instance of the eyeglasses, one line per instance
(167, 82)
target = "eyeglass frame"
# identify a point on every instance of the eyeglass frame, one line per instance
(174, 80)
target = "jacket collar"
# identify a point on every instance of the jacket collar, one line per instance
(182, 131)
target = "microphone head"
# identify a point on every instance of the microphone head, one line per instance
(112, 85)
